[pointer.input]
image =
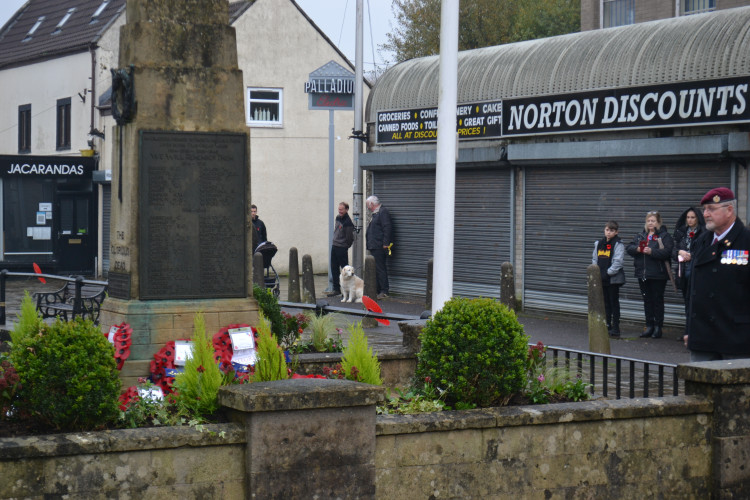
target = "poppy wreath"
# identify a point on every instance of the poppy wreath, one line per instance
(223, 351)
(127, 397)
(163, 360)
(121, 339)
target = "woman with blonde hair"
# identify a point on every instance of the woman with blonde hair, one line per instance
(651, 251)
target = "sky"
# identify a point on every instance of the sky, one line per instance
(335, 17)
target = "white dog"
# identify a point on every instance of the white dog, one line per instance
(352, 286)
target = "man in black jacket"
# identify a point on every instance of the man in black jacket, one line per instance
(343, 237)
(379, 239)
(259, 228)
(719, 320)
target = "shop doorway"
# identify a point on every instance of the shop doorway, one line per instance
(75, 241)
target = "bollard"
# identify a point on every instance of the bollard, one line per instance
(258, 278)
(293, 291)
(598, 336)
(428, 292)
(507, 286)
(3, 277)
(308, 281)
(371, 288)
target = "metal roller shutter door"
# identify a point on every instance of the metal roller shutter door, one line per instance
(566, 209)
(482, 228)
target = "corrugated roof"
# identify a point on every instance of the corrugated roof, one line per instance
(76, 35)
(699, 47)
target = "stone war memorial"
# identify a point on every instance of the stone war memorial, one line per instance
(180, 224)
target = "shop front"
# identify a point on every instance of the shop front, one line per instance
(48, 214)
(556, 137)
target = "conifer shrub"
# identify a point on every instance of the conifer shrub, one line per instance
(29, 320)
(68, 375)
(358, 361)
(475, 350)
(198, 385)
(271, 363)
(268, 304)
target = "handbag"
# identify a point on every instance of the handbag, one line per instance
(668, 267)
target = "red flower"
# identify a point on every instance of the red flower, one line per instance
(201, 369)
(427, 380)
(691, 234)
(609, 247)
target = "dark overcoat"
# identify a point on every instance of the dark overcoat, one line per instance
(719, 317)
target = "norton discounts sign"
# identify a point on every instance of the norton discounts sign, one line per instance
(671, 105)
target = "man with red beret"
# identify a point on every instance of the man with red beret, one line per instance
(718, 324)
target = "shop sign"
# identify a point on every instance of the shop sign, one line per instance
(481, 120)
(670, 105)
(330, 87)
(46, 166)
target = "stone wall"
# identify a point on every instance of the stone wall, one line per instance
(165, 462)
(302, 438)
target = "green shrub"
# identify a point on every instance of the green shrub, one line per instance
(269, 306)
(475, 350)
(271, 363)
(358, 361)
(29, 320)
(68, 375)
(198, 385)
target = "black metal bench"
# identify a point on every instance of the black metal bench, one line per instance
(75, 299)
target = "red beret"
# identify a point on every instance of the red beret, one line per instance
(718, 195)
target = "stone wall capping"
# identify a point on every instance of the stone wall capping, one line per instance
(120, 440)
(511, 416)
(299, 394)
(723, 372)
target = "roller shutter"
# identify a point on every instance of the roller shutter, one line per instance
(482, 228)
(565, 212)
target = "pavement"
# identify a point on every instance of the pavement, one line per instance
(551, 330)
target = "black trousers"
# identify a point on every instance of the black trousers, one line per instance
(381, 269)
(612, 305)
(652, 292)
(339, 259)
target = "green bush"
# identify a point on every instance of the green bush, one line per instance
(475, 350)
(358, 361)
(29, 320)
(69, 378)
(198, 385)
(269, 306)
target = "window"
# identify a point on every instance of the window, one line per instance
(95, 16)
(264, 107)
(33, 29)
(617, 13)
(24, 128)
(63, 123)
(64, 20)
(697, 6)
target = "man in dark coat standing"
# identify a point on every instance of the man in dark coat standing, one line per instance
(719, 321)
(379, 240)
(343, 237)
(259, 228)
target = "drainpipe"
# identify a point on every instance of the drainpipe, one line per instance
(92, 51)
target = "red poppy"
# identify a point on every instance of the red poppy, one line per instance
(609, 247)
(38, 270)
(691, 234)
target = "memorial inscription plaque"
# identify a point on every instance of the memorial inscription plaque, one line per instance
(192, 215)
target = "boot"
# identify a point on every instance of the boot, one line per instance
(649, 331)
(657, 332)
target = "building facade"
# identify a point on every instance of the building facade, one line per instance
(556, 137)
(56, 58)
(596, 14)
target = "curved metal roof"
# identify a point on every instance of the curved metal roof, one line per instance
(698, 47)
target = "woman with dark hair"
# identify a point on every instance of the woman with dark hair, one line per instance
(689, 226)
(651, 251)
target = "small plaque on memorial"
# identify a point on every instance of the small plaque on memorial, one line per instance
(118, 286)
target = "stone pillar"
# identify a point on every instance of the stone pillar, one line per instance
(181, 224)
(308, 281)
(293, 294)
(508, 286)
(727, 384)
(598, 335)
(307, 438)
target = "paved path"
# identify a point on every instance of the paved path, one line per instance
(551, 330)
